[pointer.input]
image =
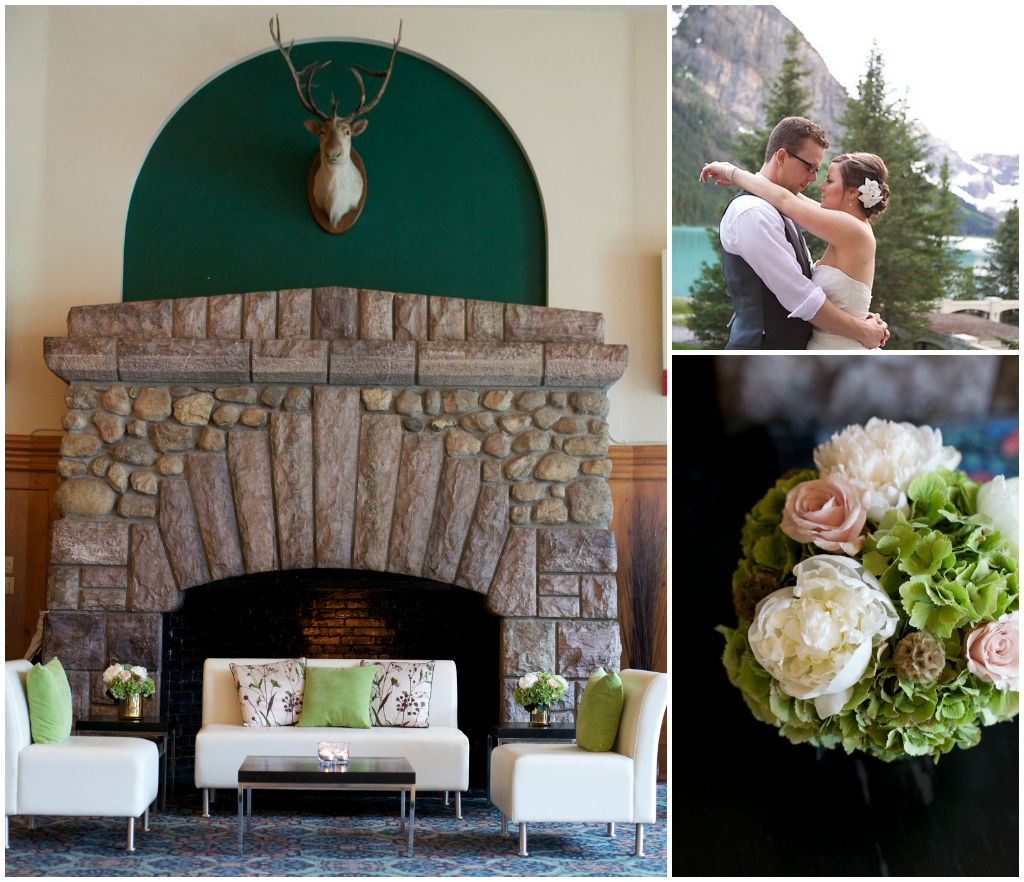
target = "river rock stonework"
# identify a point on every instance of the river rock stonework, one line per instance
(462, 441)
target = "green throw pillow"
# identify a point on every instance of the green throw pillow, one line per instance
(337, 697)
(597, 721)
(49, 702)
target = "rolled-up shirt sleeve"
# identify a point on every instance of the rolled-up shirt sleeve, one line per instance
(754, 230)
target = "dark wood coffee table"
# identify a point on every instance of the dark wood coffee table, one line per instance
(308, 773)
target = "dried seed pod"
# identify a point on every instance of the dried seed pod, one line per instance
(751, 591)
(919, 657)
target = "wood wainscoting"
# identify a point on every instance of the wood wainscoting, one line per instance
(638, 471)
(30, 482)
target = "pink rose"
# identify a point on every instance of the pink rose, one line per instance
(124, 675)
(828, 512)
(992, 652)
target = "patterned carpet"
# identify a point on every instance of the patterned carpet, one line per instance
(304, 834)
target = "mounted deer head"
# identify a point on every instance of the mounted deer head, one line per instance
(337, 181)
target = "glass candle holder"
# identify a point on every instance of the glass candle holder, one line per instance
(342, 752)
(325, 750)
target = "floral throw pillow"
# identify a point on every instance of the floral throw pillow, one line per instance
(270, 694)
(400, 695)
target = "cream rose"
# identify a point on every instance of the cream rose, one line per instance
(992, 652)
(139, 671)
(527, 680)
(1000, 500)
(882, 459)
(816, 637)
(827, 512)
(111, 672)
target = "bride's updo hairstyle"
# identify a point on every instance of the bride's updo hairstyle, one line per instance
(856, 168)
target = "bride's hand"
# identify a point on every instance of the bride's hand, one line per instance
(719, 172)
(877, 332)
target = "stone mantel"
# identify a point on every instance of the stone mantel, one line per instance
(457, 440)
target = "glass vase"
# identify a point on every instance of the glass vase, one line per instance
(540, 716)
(130, 708)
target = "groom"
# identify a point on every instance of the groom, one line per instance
(766, 261)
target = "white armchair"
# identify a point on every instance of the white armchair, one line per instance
(81, 776)
(537, 783)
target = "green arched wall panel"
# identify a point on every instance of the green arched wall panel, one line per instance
(452, 206)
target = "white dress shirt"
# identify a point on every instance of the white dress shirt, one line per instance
(753, 229)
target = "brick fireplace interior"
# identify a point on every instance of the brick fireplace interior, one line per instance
(290, 473)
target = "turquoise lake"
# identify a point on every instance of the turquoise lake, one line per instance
(691, 248)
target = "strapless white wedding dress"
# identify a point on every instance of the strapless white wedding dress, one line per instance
(849, 295)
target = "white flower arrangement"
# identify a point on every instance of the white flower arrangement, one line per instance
(539, 689)
(907, 642)
(870, 193)
(124, 680)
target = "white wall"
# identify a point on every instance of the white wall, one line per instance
(584, 89)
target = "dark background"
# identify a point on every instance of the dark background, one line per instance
(745, 801)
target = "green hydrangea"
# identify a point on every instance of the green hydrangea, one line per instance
(946, 569)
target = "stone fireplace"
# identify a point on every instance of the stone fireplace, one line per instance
(457, 441)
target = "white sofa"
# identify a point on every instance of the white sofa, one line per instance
(81, 775)
(438, 753)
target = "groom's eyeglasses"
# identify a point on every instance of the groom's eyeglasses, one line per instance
(812, 169)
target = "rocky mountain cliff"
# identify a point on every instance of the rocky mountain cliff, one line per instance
(723, 57)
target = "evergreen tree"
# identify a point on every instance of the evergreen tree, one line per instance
(914, 263)
(1001, 275)
(709, 301)
(786, 96)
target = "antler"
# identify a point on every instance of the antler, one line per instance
(307, 72)
(386, 74)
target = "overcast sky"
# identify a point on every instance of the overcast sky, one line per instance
(958, 65)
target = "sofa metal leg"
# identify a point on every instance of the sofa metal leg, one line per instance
(131, 834)
(31, 822)
(458, 805)
(504, 825)
(639, 852)
(7, 831)
(206, 802)
(145, 820)
(213, 794)
(446, 797)
(611, 829)
(522, 840)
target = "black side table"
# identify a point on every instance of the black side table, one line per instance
(556, 732)
(156, 729)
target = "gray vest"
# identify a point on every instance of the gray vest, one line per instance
(759, 320)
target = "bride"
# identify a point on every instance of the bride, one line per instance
(853, 194)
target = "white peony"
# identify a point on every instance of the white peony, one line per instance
(139, 671)
(562, 682)
(816, 638)
(883, 459)
(1000, 500)
(527, 680)
(111, 672)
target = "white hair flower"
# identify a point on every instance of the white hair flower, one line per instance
(870, 193)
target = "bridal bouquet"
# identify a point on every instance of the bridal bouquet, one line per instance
(877, 598)
(125, 680)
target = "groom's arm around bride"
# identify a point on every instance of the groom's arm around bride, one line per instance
(766, 261)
